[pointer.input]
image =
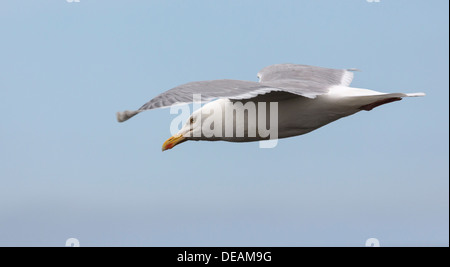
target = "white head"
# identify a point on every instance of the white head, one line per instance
(198, 126)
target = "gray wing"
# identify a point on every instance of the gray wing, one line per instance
(300, 80)
(206, 90)
(292, 73)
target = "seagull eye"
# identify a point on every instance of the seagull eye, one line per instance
(191, 120)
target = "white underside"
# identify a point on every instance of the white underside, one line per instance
(345, 91)
(301, 115)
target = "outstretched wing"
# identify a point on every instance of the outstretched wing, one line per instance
(304, 73)
(299, 80)
(207, 91)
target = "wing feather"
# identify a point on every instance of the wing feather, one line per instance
(297, 72)
(300, 80)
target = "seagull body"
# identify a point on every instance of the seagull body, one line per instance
(307, 98)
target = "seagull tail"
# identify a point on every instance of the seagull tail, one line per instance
(415, 94)
(374, 101)
(127, 114)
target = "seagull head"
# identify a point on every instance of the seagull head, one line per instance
(192, 129)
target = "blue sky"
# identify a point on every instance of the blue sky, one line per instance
(68, 169)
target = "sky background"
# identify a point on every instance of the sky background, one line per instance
(68, 169)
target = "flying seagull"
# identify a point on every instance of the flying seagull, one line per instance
(307, 98)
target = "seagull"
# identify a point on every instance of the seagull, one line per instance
(306, 97)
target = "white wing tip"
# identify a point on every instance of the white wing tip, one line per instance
(125, 115)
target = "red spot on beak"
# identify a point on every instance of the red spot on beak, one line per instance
(173, 141)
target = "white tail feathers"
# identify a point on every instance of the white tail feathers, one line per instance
(125, 115)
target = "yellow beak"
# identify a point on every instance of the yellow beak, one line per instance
(173, 141)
